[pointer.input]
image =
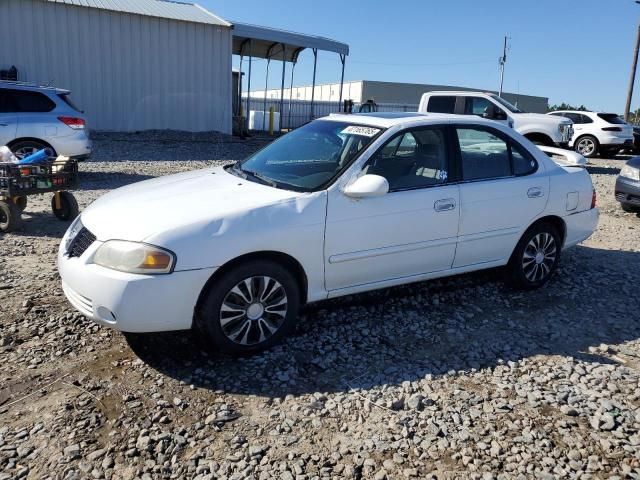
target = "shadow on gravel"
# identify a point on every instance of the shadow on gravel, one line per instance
(108, 181)
(41, 224)
(433, 328)
(603, 170)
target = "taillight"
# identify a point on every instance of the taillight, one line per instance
(593, 199)
(73, 122)
(612, 129)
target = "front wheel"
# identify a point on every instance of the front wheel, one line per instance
(249, 308)
(629, 208)
(535, 258)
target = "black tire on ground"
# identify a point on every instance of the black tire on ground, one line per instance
(535, 258)
(629, 208)
(241, 313)
(23, 148)
(10, 217)
(68, 207)
(21, 202)
(587, 146)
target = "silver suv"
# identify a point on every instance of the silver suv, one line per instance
(34, 117)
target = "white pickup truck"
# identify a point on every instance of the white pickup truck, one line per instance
(535, 126)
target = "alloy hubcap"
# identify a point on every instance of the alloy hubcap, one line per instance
(539, 257)
(24, 152)
(253, 310)
(586, 146)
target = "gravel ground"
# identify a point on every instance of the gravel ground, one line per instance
(458, 378)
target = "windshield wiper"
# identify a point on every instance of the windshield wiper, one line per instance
(261, 178)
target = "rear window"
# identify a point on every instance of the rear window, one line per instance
(441, 104)
(612, 118)
(66, 99)
(16, 101)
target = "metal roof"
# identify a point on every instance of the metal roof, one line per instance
(186, 12)
(267, 42)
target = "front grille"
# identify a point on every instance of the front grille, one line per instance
(79, 245)
(82, 303)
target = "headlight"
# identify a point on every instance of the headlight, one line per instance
(132, 257)
(630, 172)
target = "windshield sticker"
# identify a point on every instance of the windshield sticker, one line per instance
(364, 131)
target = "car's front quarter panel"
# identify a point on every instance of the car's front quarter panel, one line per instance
(293, 227)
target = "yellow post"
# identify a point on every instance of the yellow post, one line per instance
(271, 120)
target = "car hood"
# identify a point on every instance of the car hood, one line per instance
(140, 210)
(539, 117)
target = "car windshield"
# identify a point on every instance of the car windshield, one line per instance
(507, 105)
(612, 118)
(309, 157)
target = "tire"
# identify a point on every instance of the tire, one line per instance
(25, 147)
(587, 146)
(629, 208)
(10, 217)
(21, 202)
(535, 258)
(231, 322)
(68, 207)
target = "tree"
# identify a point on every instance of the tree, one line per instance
(566, 106)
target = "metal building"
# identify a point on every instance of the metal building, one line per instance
(130, 64)
(407, 94)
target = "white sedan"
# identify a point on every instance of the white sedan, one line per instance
(344, 204)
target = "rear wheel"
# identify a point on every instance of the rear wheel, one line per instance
(24, 148)
(536, 257)
(249, 308)
(67, 209)
(10, 217)
(587, 146)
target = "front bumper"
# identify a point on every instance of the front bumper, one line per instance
(628, 191)
(580, 226)
(130, 302)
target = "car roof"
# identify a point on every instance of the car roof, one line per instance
(391, 119)
(458, 92)
(31, 87)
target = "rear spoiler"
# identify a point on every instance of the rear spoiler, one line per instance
(564, 158)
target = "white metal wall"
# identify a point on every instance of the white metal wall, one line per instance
(127, 72)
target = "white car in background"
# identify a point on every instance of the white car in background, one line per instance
(342, 205)
(34, 117)
(597, 133)
(537, 127)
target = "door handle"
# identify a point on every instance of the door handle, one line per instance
(444, 205)
(4, 124)
(535, 192)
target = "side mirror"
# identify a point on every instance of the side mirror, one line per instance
(499, 114)
(367, 186)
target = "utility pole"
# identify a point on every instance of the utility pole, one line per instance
(502, 60)
(632, 79)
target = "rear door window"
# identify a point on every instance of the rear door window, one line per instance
(486, 155)
(441, 104)
(20, 101)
